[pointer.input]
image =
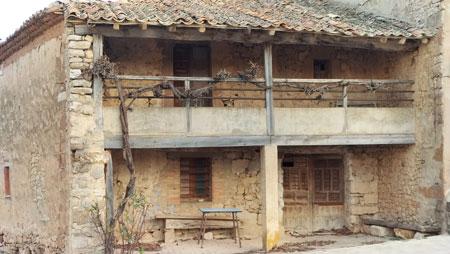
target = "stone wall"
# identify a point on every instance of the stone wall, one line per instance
(87, 186)
(235, 181)
(33, 143)
(361, 185)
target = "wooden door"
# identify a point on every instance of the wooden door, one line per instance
(190, 60)
(328, 193)
(313, 193)
(297, 211)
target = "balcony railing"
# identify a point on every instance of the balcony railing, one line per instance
(294, 93)
(291, 112)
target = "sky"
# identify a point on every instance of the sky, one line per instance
(14, 12)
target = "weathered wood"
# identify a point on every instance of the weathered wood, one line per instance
(275, 80)
(269, 92)
(140, 142)
(256, 36)
(183, 141)
(98, 83)
(180, 217)
(109, 181)
(344, 97)
(392, 224)
(187, 87)
(195, 224)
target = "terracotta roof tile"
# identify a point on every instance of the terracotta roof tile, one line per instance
(315, 16)
(296, 15)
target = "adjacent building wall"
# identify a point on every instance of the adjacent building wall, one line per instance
(445, 68)
(423, 13)
(33, 144)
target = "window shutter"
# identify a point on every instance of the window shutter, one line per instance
(6, 182)
(195, 178)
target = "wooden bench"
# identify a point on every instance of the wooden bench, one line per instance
(391, 224)
(176, 222)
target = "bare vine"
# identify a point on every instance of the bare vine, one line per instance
(105, 69)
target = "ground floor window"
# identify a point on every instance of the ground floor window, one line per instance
(6, 182)
(195, 179)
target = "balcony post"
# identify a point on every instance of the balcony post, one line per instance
(344, 97)
(98, 83)
(269, 84)
(270, 196)
(187, 87)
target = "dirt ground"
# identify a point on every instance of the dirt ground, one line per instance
(289, 244)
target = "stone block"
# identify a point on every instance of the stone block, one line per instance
(420, 236)
(209, 236)
(404, 233)
(79, 65)
(169, 236)
(80, 44)
(80, 83)
(365, 229)
(75, 60)
(74, 38)
(89, 38)
(75, 53)
(81, 90)
(89, 54)
(381, 231)
(75, 74)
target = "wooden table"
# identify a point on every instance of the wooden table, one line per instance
(233, 211)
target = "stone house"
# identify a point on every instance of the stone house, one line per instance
(306, 115)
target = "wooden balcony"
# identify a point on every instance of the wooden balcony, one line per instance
(349, 112)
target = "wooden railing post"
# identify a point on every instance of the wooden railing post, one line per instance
(187, 87)
(344, 97)
(269, 85)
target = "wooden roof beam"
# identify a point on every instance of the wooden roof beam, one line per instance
(259, 37)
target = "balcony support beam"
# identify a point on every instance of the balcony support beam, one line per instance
(268, 76)
(146, 142)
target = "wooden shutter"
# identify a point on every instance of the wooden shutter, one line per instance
(295, 180)
(328, 181)
(192, 60)
(195, 178)
(322, 69)
(6, 182)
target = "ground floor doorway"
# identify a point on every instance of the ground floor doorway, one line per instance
(313, 191)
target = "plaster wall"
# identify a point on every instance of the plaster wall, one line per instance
(252, 121)
(34, 145)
